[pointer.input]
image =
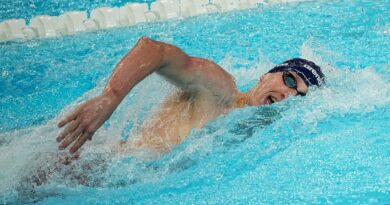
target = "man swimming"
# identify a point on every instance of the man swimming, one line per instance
(205, 91)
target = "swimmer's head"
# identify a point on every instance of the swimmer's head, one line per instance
(310, 73)
(292, 77)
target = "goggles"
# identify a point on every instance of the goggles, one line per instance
(290, 81)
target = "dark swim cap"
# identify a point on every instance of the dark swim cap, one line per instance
(310, 73)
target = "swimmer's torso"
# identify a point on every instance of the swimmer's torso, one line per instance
(172, 122)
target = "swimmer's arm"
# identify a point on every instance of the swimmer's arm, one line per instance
(202, 75)
(148, 56)
(188, 73)
(145, 58)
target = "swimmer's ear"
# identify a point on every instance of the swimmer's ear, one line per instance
(264, 76)
(261, 78)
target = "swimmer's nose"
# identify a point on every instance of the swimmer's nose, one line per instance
(286, 94)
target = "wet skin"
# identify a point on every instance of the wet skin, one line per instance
(205, 91)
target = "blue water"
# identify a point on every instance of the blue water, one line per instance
(28, 9)
(329, 147)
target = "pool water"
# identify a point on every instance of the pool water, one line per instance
(31, 8)
(331, 146)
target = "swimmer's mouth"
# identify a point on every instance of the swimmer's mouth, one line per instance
(271, 99)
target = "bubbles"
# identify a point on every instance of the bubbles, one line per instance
(330, 146)
(260, 145)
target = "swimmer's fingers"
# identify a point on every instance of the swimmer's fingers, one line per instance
(68, 118)
(80, 141)
(71, 127)
(71, 137)
(75, 156)
(66, 159)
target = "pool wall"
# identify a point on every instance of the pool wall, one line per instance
(44, 26)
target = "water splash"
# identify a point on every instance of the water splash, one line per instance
(263, 132)
(330, 146)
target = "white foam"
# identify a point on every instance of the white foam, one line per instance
(346, 92)
(246, 77)
(25, 150)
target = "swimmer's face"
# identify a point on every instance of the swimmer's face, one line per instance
(272, 88)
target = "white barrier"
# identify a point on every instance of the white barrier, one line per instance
(45, 26)
(166, 9)
(133, 13)
(249, 4)
(3, 35)
(91, 25)
(106, 17)
(16, 29)
(151, 16)
(275, 1)
(129, 14)
(29, 32)
(193, 7)
(126, 16)
(227, 5)
(257, 1)
(12, 29)
(212, 8)
(72, 22)
(287, 1)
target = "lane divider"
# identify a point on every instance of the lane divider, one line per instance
(44, 26)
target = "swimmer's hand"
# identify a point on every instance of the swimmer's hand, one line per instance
(83, 122)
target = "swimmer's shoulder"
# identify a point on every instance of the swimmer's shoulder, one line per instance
(212, 81)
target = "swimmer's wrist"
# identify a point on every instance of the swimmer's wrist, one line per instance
(115, 99)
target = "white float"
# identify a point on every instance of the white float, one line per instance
(129, 14)
(106, 17)
(45, 26)
(133, 13)
(193, 7)
(12, 29)
(152, 16)
(126, 16)
(29, 32)
(227, 5)
(73, 22)
(166, 9)
(256, 3)
(212, 8)
(3, 36)
(91, 25)
(286, 1)
(247, 4)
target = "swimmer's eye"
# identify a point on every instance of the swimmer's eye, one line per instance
(290, 81)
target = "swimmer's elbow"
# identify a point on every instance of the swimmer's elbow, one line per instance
(154, 50)
(169, 54)
(144, 40)
(150, 44)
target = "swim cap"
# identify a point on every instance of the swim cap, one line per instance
(310, 73)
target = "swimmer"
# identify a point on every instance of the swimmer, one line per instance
(205, 91)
